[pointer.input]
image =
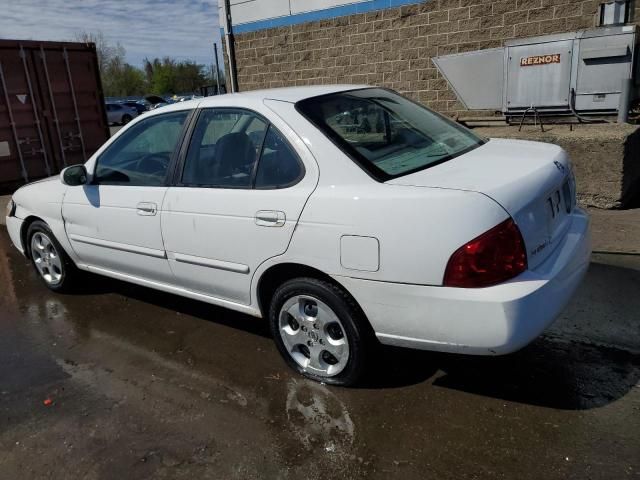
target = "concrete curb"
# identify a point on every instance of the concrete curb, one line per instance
(616, 231)
(604, 158)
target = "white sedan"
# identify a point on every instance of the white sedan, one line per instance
(344, 215)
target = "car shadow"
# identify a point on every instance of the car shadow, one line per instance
(553, 371)
(97, 284)
(548, 373)
(589, 358)
(559, 370)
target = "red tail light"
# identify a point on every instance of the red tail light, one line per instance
(494, 257)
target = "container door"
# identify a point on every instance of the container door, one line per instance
(72, 103)
(24, 147)
(51, 109)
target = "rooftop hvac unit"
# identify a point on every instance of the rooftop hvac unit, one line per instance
(556, 74)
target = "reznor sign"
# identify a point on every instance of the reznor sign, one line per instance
(540, 60)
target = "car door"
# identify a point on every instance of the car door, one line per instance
(237, 199)
(113, 223)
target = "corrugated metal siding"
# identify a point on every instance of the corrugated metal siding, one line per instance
(52, 110)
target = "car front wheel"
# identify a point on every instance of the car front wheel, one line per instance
(51, 262)
(320, 331)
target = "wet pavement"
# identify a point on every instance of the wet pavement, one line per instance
(149, 385)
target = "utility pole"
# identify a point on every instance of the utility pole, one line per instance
(215, 50)
(231, 48)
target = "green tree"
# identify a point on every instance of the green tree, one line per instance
(106, 52)
(168, 76)
(119, 79)
(158, 76)
(124, 80)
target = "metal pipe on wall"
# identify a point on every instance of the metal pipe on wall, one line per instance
(215, 52)
(625, 100)
(231, 48)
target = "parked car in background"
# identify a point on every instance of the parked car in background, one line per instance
(185, 98)
(138, 106)
(412, 231)
(120, 114)
(154, 100)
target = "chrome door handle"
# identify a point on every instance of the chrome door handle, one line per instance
(270, 218)
(147, 209)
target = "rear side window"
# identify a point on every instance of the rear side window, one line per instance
(224, 149)
(279, 166)
(239, 149)
(386, 134)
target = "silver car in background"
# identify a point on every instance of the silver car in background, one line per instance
(120, 114)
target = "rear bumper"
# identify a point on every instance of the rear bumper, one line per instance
(14, 225)
(488, 321)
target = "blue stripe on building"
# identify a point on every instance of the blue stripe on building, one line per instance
(322, 14)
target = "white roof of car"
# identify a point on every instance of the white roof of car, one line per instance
(286, 94)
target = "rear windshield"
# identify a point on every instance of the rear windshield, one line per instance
(385, 133)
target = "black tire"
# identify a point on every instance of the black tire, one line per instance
(126, 118)
(69, 272)
(357, 330)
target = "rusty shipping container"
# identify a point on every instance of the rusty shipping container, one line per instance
(52, 111)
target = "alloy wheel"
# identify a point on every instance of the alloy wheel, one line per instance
(313, 335)
(46, 258)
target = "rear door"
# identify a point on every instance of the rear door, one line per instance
(236, 203)
(114, 222)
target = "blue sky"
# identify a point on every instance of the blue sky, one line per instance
(183, 29)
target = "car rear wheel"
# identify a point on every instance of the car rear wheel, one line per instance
(320, 331)
(51, 262)
(126, 118)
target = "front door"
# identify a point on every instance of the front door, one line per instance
(236, 203)
(113, 223)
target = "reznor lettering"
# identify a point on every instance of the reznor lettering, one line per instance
(540, 60)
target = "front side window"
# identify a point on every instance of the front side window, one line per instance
(141, 156)
(385, 133)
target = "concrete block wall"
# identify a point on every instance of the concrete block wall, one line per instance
(606, 159)
(393, 47)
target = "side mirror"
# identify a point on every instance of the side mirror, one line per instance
(74, 175)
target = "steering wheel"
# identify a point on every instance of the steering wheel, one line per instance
(149, 161)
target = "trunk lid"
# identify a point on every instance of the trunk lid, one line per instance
(532, 181)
